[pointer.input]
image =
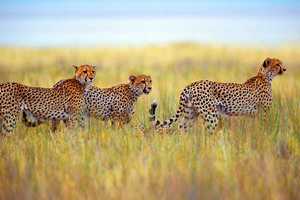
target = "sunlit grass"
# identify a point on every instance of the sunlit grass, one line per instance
(246, 159)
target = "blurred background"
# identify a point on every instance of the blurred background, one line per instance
(176, 42)
(135, 22)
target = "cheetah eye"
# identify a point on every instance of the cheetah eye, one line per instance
(84, 71)
(278, 65)
(143, 81)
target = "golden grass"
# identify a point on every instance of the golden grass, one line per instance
(245, 159)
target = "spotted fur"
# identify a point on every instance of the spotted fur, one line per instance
(42, 104)
(210, 100)
(117, 103)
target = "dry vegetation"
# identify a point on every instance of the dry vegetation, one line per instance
(245, 159)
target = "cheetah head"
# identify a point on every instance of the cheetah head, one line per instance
(141, 84)
(85, 74)
(272, 67)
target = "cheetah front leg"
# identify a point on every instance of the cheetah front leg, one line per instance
(266, 111)
(76, 114)
(121, 118)
(54, 125)
(71, 122)
(263, 114)
(265, 106)
(74, 120)
(81, 119)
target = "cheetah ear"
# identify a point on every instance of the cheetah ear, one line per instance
(132, 78)
(266, 62)
(94, 67)
(75, 67)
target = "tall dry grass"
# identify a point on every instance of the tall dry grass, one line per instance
(245, 159)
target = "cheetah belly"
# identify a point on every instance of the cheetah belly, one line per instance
(235, 110)
(236, 105)
(42, 112)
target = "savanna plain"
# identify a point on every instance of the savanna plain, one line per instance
(247, 158)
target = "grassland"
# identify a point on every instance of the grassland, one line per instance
(245, 159)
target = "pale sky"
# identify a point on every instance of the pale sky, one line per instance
(67, 22)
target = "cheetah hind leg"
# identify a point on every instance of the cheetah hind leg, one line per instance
(211, 121)
(189, 118)
(29, 120)
(209, 113)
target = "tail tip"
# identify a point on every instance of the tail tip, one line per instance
(153, 108)
(154, 104)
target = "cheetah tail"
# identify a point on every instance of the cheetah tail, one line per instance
(165, 124)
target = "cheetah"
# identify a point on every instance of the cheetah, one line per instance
(65, 102)
(117, 103)
(210, 100)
